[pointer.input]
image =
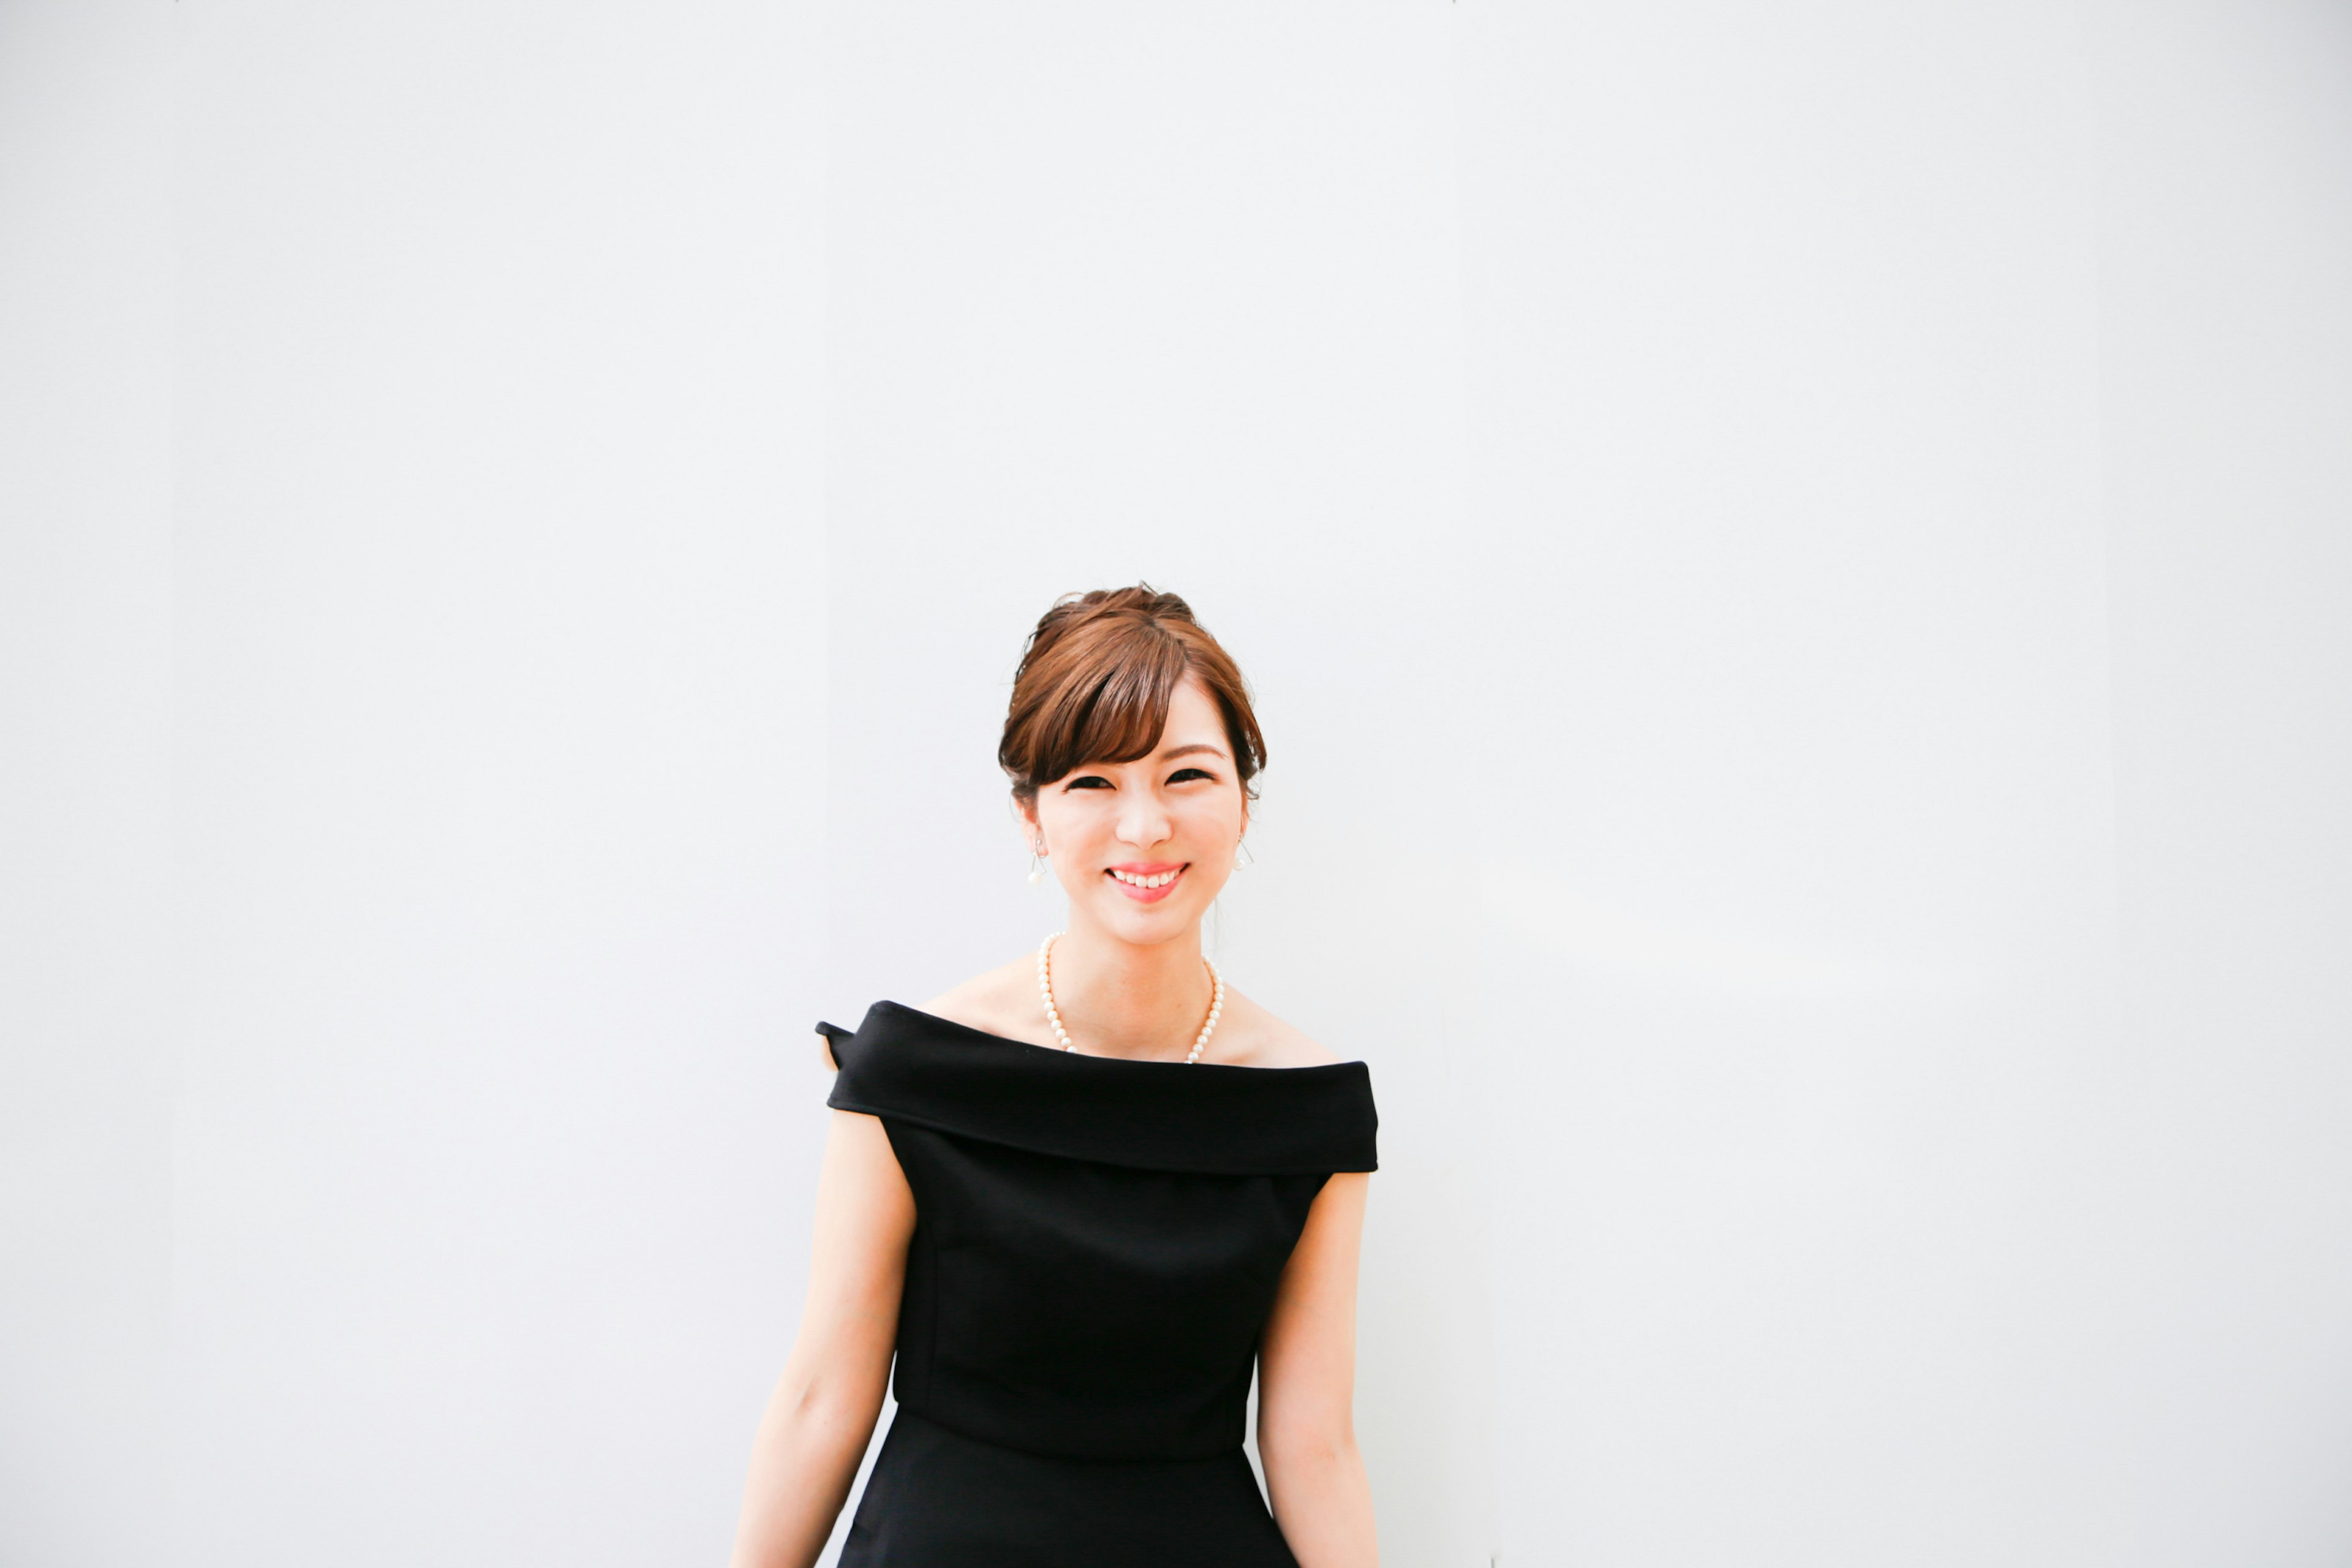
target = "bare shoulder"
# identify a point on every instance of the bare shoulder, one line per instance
(1249, 1035)
(1004, 1000)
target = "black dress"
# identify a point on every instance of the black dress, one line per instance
(1095, 1249)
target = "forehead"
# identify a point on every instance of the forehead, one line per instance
(1192, 715)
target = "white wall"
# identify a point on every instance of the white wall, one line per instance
(85, 781)
(2226, 389)
(1800, 902)
(1795, 563)
(500, 772)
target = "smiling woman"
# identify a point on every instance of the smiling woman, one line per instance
(1079, 1256)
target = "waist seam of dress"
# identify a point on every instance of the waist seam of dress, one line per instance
(945, 1426)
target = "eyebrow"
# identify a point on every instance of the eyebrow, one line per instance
(1173, 752)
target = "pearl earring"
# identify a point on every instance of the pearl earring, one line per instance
(1036, 865)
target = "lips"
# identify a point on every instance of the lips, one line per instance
(1147, 884)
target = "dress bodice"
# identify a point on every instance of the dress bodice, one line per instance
(1097, 1241)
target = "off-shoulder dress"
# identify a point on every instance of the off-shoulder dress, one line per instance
(1095, 1249)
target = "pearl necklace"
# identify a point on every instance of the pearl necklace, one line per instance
(1054, 1015)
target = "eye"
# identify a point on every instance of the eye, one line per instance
(1089, 781)
(1185, 775)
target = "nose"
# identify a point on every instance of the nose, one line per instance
(1142, 821)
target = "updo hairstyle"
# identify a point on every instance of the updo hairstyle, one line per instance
(1094, 683)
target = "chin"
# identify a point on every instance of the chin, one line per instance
(1148, 923)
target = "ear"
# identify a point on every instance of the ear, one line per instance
(1024, 811)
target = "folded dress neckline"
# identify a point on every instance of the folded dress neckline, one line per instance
(906, 1065)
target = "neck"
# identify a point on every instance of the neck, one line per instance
(1120, 999)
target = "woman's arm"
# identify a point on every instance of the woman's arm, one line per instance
(1307, 1389)
(818, 1421)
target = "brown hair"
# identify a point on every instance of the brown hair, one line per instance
(1095, 679)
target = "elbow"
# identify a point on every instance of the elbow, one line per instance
(824, 1408)
(1307, 1446)
(830, 1400)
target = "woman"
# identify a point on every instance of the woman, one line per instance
(1083, 1195)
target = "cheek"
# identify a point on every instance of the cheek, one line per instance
(1219, 818)
(1066, 823)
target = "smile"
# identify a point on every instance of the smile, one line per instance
(1145, 884)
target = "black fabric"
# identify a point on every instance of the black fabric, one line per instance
(1087, 1310)
(1162, 1116)
(940, 1500)
(1096, 1245)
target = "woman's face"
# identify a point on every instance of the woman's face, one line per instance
(1143, 847)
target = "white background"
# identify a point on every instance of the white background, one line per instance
(1799, 563)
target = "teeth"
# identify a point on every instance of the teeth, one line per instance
(1162, 880)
